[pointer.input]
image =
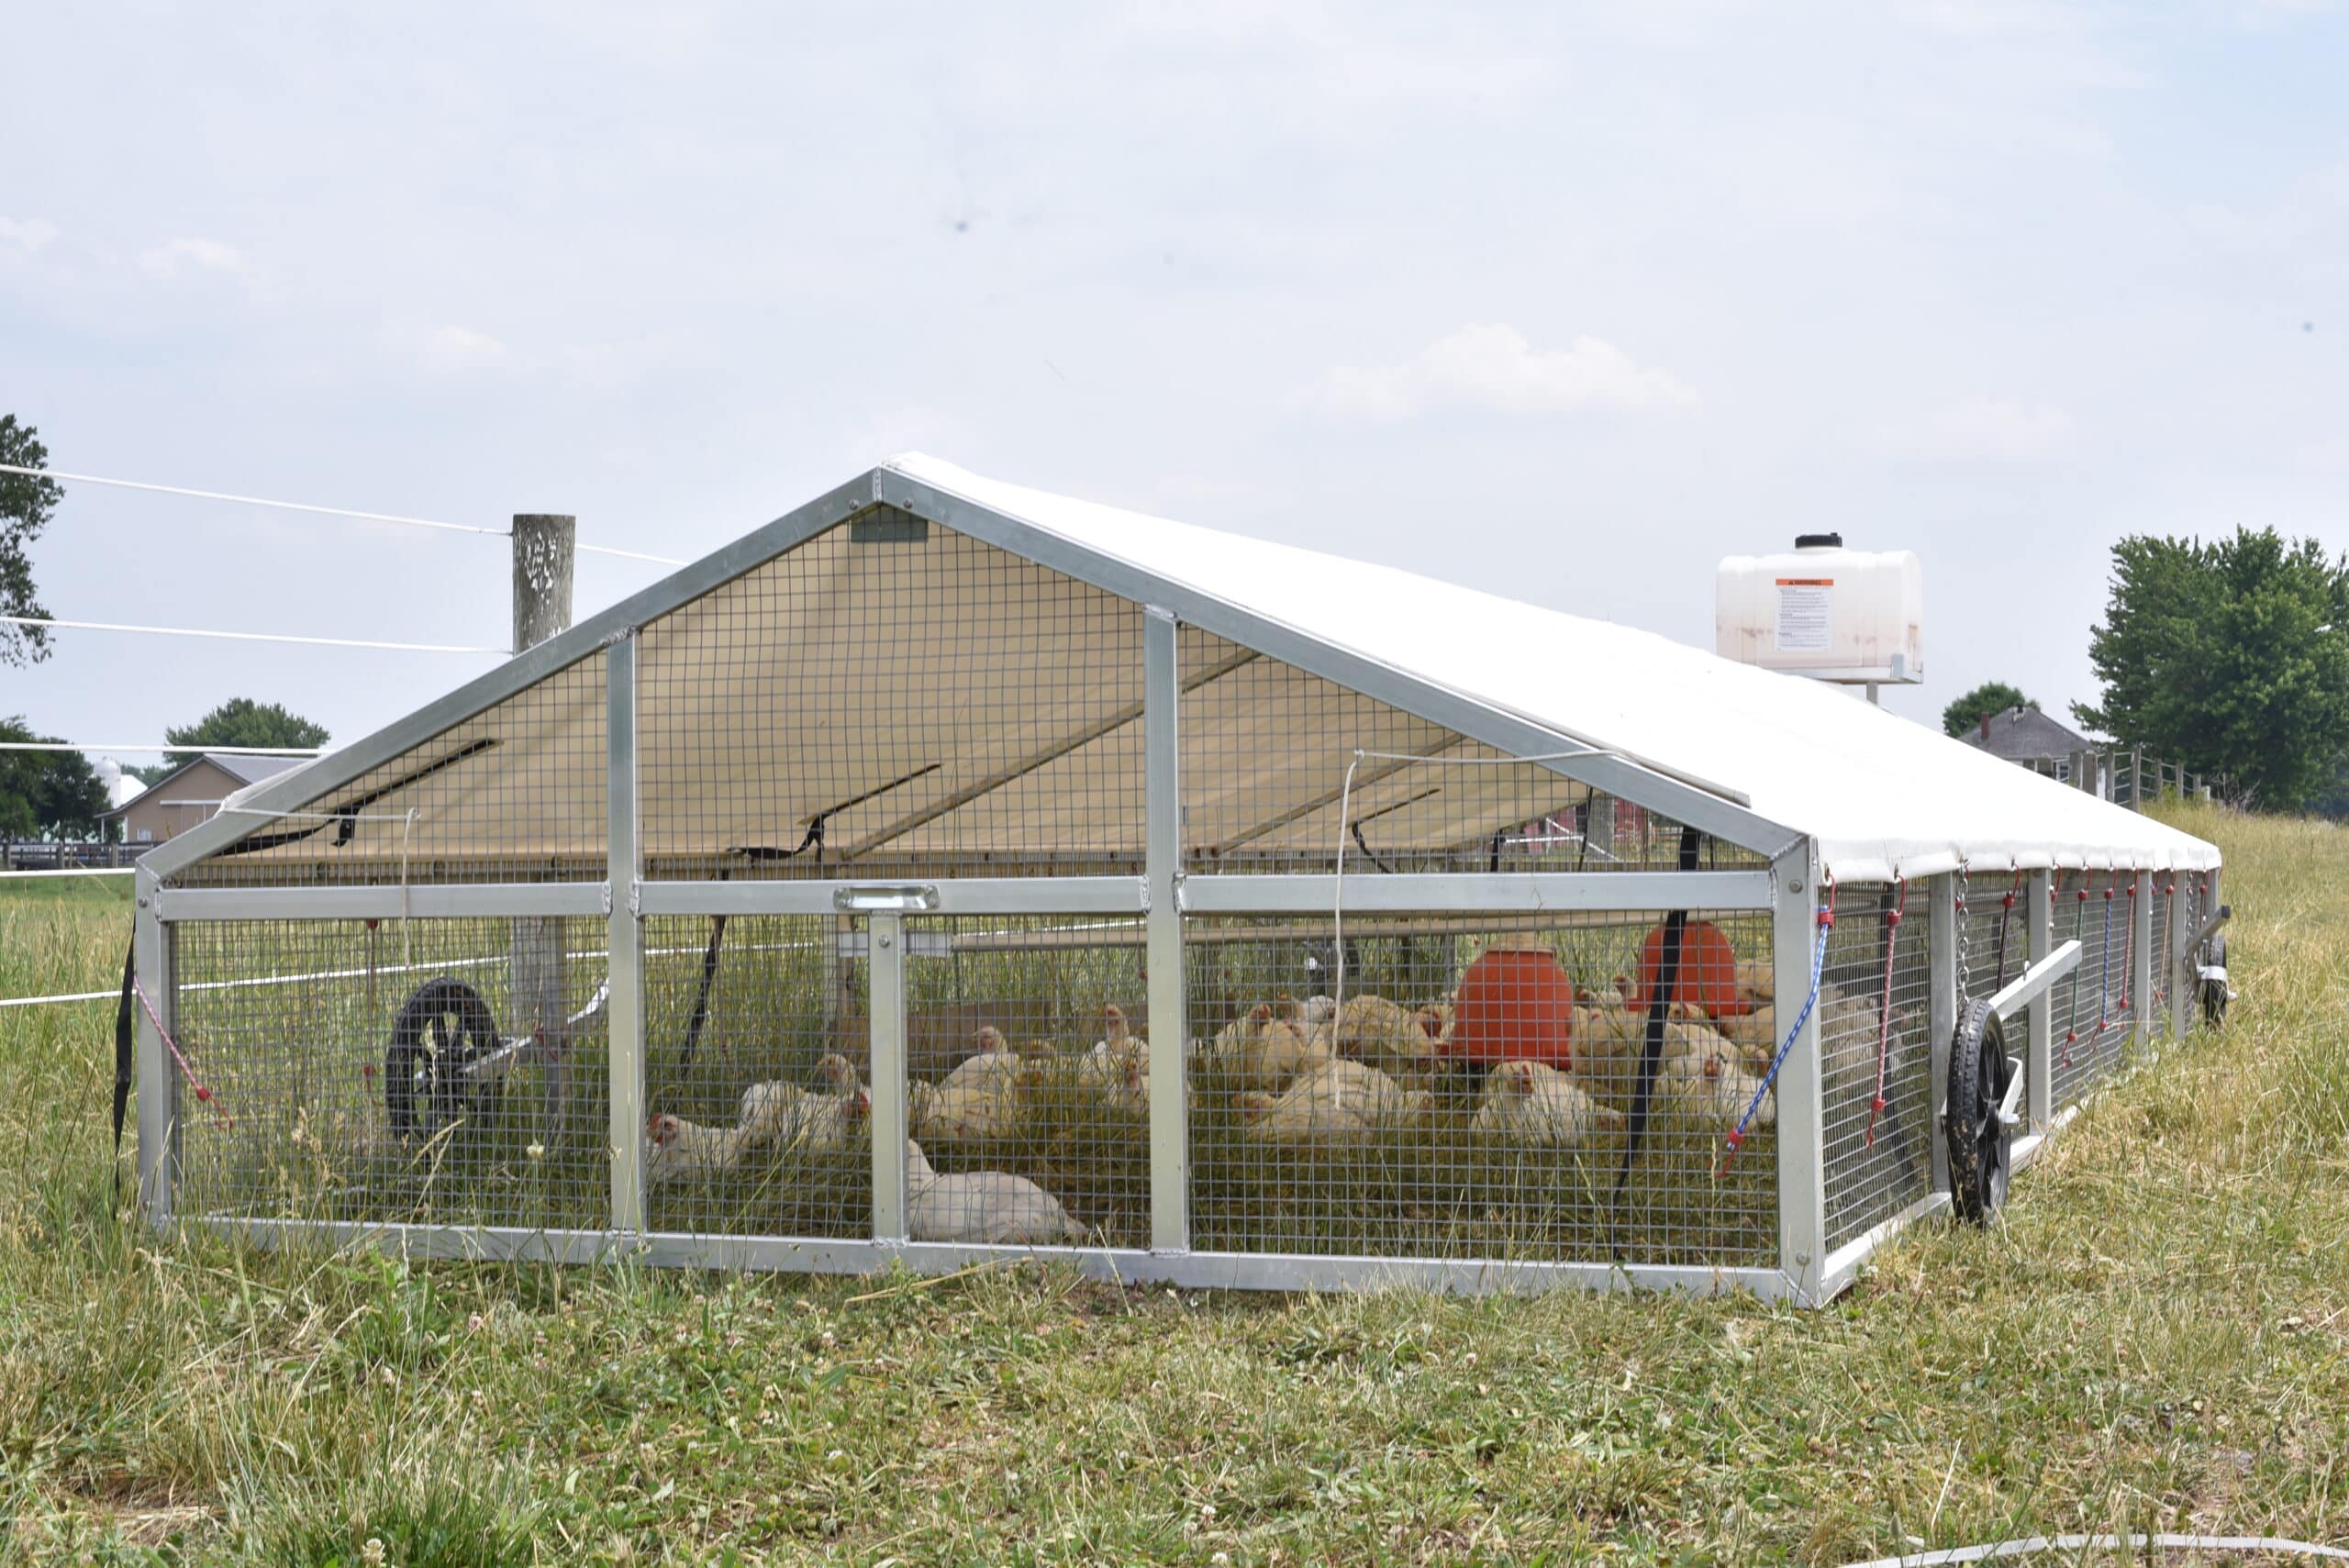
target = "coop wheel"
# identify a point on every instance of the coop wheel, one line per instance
(1980, 1141)
(2214, 985)
(441, 1030)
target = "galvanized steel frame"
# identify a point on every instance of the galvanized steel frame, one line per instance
(1196, 1271)
(1943, 940)
(1163, 895)
(625, 942)
(1802, 1121)
(2038, 1037)
(1170, 1136)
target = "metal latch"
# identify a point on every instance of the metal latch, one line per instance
(885, 899)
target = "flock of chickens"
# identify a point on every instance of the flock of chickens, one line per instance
(1294, 1075)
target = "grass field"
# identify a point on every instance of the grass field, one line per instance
(2157, 1338)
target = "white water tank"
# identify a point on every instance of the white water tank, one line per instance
(1851, 616)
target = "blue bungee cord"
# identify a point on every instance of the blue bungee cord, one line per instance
(1818, 967)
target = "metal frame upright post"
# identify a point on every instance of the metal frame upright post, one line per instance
(1170, 1156)
(2039, 910)
(1944, 937)
(624, 942)
(885, 974)
(2180, 962)
(1802, 1151)
(2141, 962)
(159, 1088)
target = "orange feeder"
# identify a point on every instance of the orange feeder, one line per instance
(1707, 978)
(1515, 1004)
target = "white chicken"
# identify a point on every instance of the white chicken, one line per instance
(1388, 1036)
(1532, 1102)
(773, 1114)
(1117, 1070)
(819, 1120)
(978, 1100)
(1332, 1098)
(1262, 1050)
(676, 1148)
(1610, 1044)
(1713, 1089)
(982, 1207)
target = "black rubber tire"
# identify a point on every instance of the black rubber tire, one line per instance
(441, 1030)
(2214, 992)
(1980, 1145)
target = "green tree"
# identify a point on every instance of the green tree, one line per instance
(2232, 658)
(241, 721)
(1989, 698)
(25, 505)
(47, 795)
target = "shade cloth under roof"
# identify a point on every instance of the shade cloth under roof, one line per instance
(1880, 794)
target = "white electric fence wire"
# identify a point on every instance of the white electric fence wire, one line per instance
(251, 636)
(163, 746)
(320, 511)
(2037, 1543)
(74, 871)
(435, 967)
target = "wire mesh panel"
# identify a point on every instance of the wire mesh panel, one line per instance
(1469, 1091)
(1994, 947)
(515, 794)
(757, 1058)
(1286, 772)
(893, 699)
(1027, 1091)
(364, 1071)
(2091, 1044)
(1875, 1057)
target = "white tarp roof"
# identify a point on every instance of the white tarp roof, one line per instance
(1014, 727)
(1879, 793)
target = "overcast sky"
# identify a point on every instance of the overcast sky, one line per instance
(1563, 303)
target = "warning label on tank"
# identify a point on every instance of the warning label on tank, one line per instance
(1804, 625)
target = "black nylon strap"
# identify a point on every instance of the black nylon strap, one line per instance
(1667, 983)
(125, 1033)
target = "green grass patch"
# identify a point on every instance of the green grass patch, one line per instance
(2156, 1339)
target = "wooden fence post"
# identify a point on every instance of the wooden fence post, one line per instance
(543, 549)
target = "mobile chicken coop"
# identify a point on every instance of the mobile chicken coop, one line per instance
(950, 871)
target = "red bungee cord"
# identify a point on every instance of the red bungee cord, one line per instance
(2129, 949)
(203, 1094)
(1883, 1013)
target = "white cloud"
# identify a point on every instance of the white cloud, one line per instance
(169, 259)
(21, 237)
(1492, 366)
(456, 350)
(1982, 430)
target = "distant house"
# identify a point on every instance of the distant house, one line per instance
(2027, 736)
(189, 794)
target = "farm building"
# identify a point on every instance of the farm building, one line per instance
(2027, 736)
(189, 794)
(948, 870)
